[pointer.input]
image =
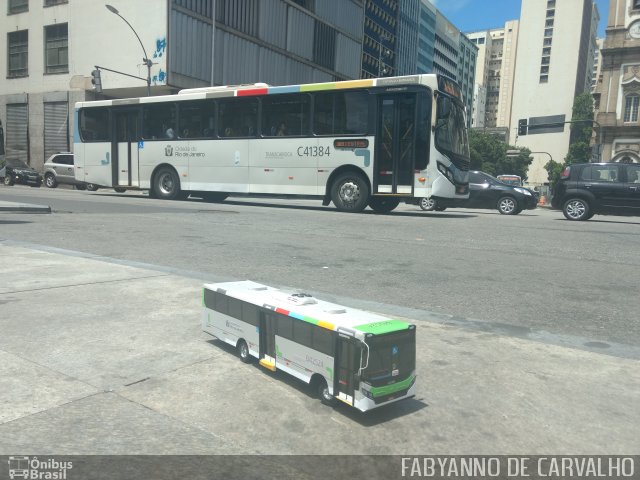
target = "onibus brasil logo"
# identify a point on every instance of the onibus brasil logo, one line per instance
(34, 468)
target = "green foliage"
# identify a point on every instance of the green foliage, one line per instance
(554, 169)
(489, 154)
(579, 149)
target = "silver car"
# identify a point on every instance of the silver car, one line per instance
(60, 169)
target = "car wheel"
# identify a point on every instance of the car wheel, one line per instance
(350, 193)
(50, 181)
(92, 187)
(427, 204)
(120, 190)
(166, 184)
(576, 209)
(81, 187)
(8, 181)
(243, 351)
(323, 393)
(383, 204)
(440, 209)
(508, 206)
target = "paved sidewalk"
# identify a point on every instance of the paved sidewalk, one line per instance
(102, 356)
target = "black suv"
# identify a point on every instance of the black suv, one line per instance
(588, 188)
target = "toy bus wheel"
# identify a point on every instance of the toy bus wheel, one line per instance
(323, 393)
(350, 193)
(243, 351)
(166, 184)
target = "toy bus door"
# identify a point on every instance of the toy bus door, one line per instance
(347, 366)
(267, 336)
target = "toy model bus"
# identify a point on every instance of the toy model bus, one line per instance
(363, 359)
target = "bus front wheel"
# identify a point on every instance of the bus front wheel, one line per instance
(166, 184)
(350, 193)
(323, 393)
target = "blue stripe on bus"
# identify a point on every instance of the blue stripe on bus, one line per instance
(293, 89)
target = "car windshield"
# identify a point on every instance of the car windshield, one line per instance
(451, 132)
(15, 163)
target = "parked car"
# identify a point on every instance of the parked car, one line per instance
(60, 169)
(486, 191)
(16, 171)
(586, 189)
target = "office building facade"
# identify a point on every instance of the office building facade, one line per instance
(52, 46)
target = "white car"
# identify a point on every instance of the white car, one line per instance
(60, 169)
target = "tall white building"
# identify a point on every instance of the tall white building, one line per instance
(554, 64)
(495, 71)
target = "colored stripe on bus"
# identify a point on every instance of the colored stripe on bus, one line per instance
(395, 387)
(385, 326)
(314, 87)
(291, 89)
(251, 92)
(355, 84)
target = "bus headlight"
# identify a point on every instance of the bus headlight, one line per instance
(367, 393)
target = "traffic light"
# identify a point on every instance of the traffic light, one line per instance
(522, 127)
(96, 80)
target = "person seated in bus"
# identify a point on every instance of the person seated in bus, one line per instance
(168, 131)
(282, 130)
(185, 133)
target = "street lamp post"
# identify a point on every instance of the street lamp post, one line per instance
(146, 60)
(382, 36)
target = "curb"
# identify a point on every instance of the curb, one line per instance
(10, 207)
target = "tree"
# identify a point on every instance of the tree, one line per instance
(579, 143)
(554, 169)
(489, 154)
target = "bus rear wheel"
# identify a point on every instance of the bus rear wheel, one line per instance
(350, 193)
(166, 184)
(383, 204)
(243, 351)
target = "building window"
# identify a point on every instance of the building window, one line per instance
(548, 32)
(631, 108)
(18, 6)
(546, 51)
(544, 70)
(636, 4)
(56, 48)
(18, 54)
(546, 60)
(549, 23)
(546, 42)
(49, 3)
(551, 13)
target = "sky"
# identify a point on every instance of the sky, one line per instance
(473, 15)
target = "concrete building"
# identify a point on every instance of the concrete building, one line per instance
(53, 45)
(597, 68)
(478, 111)
(495, 71)
(553, 66)
(416, 37)
(618, 88)
(380, 44)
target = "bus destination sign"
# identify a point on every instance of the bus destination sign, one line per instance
(351, 143)
(449, 87)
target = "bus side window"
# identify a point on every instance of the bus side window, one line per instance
(423, 130)
(221, 303)
(235, 308)
(323, 340)
(250, 314)
(302, 333)
(285, 326)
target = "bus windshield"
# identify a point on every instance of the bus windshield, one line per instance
(451, 129)
(391, 356)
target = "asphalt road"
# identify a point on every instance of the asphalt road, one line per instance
(534, 275)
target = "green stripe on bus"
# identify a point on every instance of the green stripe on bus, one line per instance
(386, 326)
(317, 86)
(389, 389)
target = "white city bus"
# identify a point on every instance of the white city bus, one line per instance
(365, 360)
(369, 142)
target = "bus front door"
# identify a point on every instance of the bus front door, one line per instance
(347, 366)
(268, 341)
(124, 151)
(395, 151)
